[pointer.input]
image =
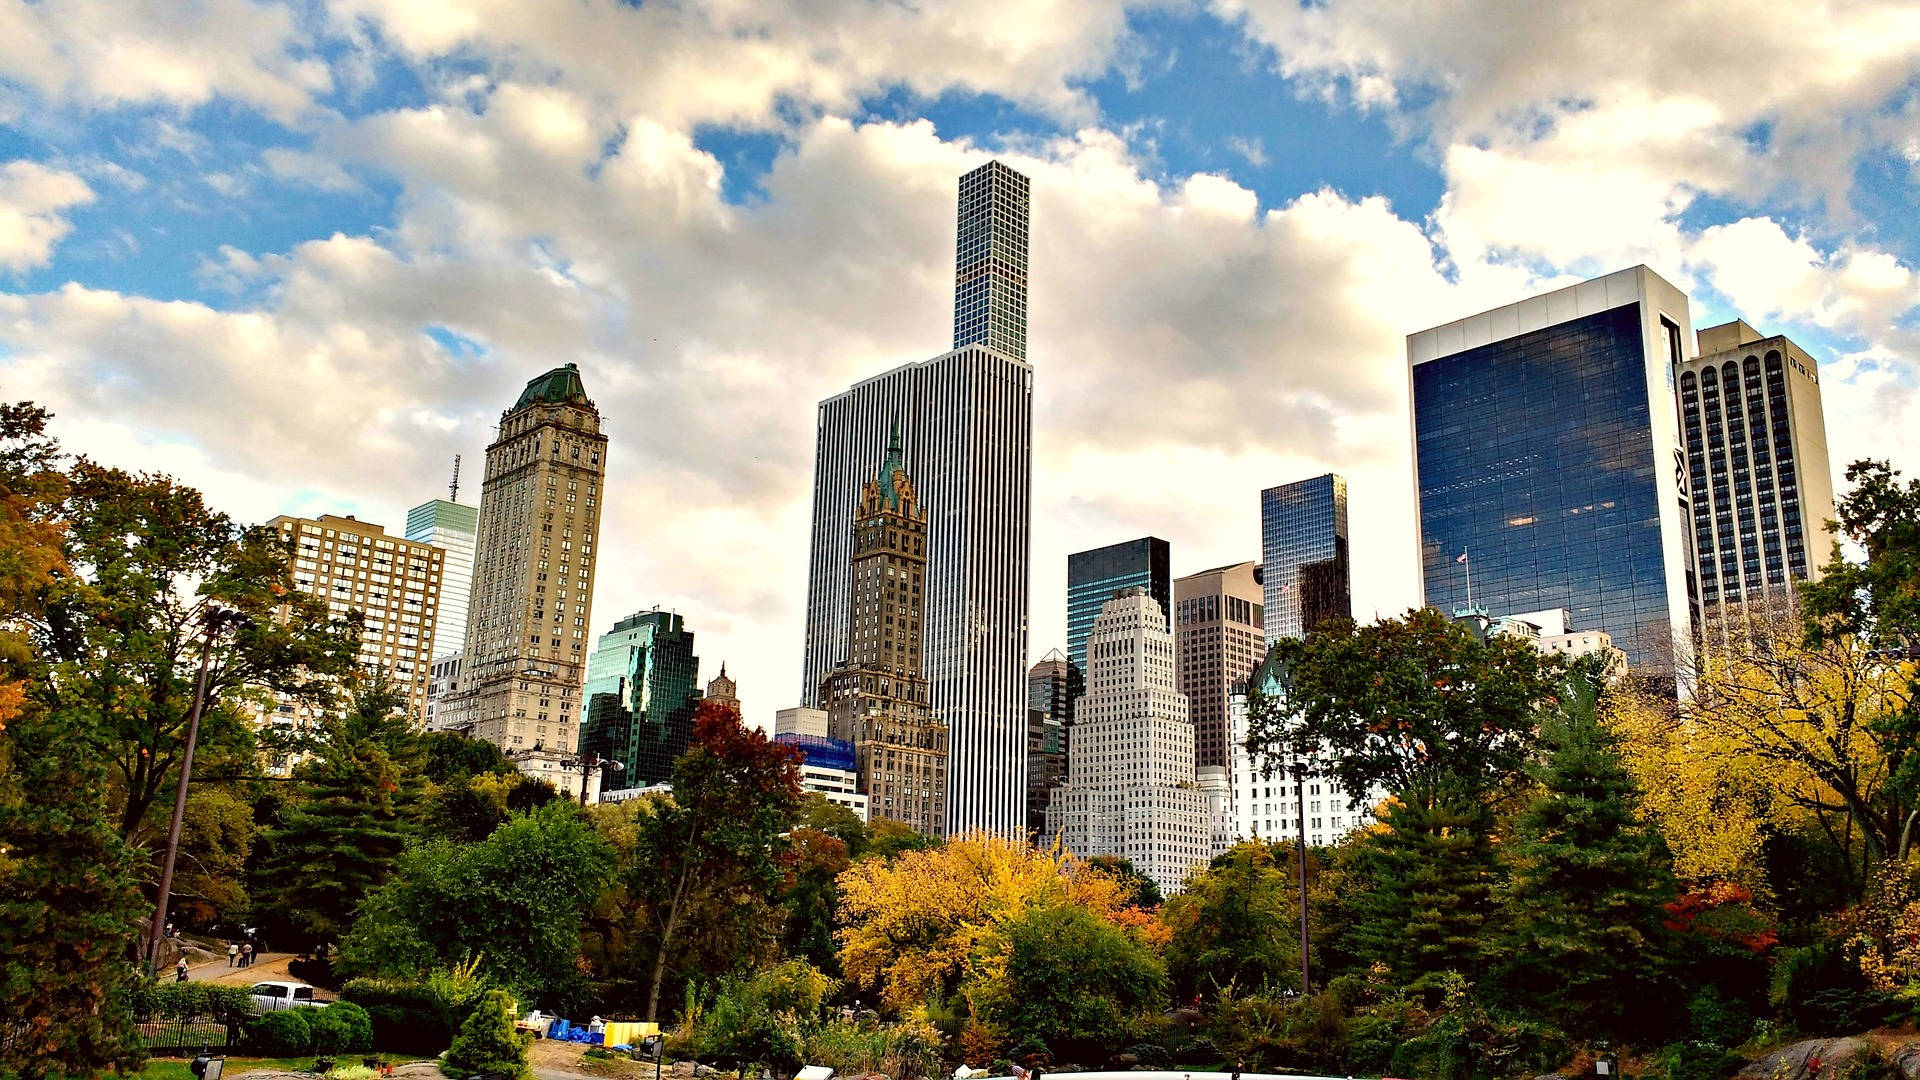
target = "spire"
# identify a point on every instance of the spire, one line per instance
(892, 469)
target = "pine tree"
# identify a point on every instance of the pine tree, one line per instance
(1432, 870)
(340, 837)
(1586, 934)
(487, 1043)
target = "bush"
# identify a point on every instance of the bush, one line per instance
(487, 1042)
(1821, 990)
(407, 1017)
(341, 1028)
(315, 970)
(904, 1051)
(283, 1033)
(1694, 1060)
(1714, 1017)
(186, 1000)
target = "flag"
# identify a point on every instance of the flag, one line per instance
(1463, 556)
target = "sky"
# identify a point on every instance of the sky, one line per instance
(301, 255)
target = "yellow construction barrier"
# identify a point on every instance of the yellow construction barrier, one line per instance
(629, 1032)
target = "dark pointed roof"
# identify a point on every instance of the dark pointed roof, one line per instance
(893, 466)
(561, 386)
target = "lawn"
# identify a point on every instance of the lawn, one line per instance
(176, 1068)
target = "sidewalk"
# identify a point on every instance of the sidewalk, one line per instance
(266, 967)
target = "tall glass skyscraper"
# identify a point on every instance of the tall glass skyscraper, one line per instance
(1307, 578)
(451, 527)
(642, 689)
(966, 420)
(1547, 454)
(1095, 577)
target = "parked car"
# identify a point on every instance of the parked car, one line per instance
(268, 996)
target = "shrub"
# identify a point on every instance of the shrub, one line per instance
(487, 1042)
(283, 1033)
(315, 970)
(341, 1028)
(1694, 1060)
(1716, 1018)
(407, 1017)
(1821, 990)
(904, 1051)
(758, 1019)
(186, 1000)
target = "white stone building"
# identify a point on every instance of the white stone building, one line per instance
(1264, 807)
(1130, 788)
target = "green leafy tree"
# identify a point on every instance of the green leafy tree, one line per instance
(1586, 944)
(708, 859)
(343, 833)
(514, 901)
(1234, 926)
(811, 897)
(836, 821)
(1143, 891)
(1073, 980)
(452, 756)
(887, 838)
(466, 809)
(487, 1043)
(69, 905)
(216, 836)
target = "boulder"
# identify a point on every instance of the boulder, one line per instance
(1906, 1061)
(682, 1070)
(1806, 1060)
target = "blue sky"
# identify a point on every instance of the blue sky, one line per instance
(302, 254)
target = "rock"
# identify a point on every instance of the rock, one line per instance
(683, 1070)
(1906, 1061)
(705, 1070)
(1125, 1061)
(1806, 1060)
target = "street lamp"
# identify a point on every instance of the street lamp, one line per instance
(214, 620)
(587, 763)
(1300, 763)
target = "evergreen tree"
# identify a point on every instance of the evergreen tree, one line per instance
(1588, 881)
(1432, 871)
(487, 1043)
(340, 837)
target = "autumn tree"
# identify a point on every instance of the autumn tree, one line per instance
(1142, 891)
(68, 902)
(1074, 981)
(811, 896)
(708, 859)
(1235, 926)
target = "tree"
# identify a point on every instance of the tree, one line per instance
(811, 896)
(887, 838)
(913, 927)
(1142, 891)
(216, 836)
(452, 756)
(487, 1044)
(837, 821)
(1405, 702)
(120, 632)
(713, 848)
(1585, 943)
(1431, 869)
(514, 900)
(1234, 926)
(1072, 978)
(342, 834)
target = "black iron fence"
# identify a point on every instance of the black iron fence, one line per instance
(188, 1033)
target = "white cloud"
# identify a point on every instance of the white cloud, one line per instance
(32, 198)
(311, 170)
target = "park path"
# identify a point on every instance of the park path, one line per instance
(266, 966)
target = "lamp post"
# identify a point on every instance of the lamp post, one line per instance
(587, 763)
(215, 620)
(1299, 763)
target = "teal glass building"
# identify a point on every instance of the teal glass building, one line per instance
(642, 689)
(1093, 577)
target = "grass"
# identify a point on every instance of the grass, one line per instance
(176, 1068)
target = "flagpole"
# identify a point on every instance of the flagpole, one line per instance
(1469, 561)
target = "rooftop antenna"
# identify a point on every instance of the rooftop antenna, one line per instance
(453, 489)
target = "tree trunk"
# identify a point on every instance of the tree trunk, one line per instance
(666, 940)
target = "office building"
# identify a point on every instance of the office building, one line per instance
(1097, 576)
(443, 679)
(451, 527)
(1130, 788)
(1548, 464)
(1265, 806)
(642, 689)
(1306, 576)
(1758, 475)
(800, 721)
(1219, 631)
(1048, 708)
(990, 261)
(829, 769)
(877, 699)
(392, 582)
(524, 659)
(966, 418)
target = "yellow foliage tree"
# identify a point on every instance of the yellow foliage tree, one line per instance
(927, 921)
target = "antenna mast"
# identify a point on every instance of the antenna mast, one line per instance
(453, 489)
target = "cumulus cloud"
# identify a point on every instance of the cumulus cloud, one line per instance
(32, 198)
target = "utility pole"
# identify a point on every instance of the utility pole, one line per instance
(1300, 860)
(216, 619)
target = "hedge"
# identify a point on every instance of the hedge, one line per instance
(408, 1017)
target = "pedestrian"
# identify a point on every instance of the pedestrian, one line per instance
(1239, 1066)
(246, 955)
(233, 954)
(180, 970)
(171, 932)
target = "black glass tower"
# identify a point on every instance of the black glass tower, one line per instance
(1306, 576)
(1093, 577)
(642, 690)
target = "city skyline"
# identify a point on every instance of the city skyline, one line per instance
(303, 293)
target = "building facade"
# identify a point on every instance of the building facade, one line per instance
(829, 769)
(722, 688)
(1131, 788)
(1757, 468)
(451, 527)
(1095, 577)
(967, 421)
(1305, 569)
(529, 607)
(990, 261)
(1548, 463)
(393, 582)
(1049, 709)
(877, 700)
(643, 685)
(1219, 631)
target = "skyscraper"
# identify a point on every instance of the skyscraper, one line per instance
(990, 262)
(1220, 636)
(966, 417)
(877, 699)
(1303, 550)
(355, 566)
(532, 594)
(1130, 787)
(449, 526)
(1548, 462)
(642, 690)
(1048, 706)
(1757, 469)
(1097, 576)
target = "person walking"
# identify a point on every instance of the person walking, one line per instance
(233, 954)
(246, 955)
(180, 970)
